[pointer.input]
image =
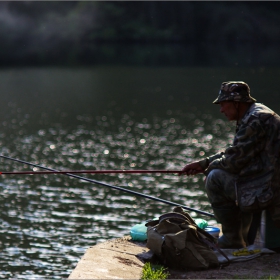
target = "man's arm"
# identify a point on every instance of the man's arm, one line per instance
(249, 142)
(193, 168)
(200, 166)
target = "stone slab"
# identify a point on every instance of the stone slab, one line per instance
(115, 259)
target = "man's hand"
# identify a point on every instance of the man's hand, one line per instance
(192, 169)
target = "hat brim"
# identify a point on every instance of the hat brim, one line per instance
(216, 101)
(249, 100)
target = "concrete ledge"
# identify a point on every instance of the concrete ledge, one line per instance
(123, 258)
(115, 259)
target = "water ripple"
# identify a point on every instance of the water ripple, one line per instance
(48, 221)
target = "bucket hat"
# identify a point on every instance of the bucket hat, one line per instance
(234, 91)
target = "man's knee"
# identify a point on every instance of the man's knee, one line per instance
(213, 180)
(220, 185)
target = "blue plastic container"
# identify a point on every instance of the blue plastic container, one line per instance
(214, 231)
(139, 232)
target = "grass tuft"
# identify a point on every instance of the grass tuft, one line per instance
(153, 272)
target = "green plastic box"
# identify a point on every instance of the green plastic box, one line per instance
(268, 235)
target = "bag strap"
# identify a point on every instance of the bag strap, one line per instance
(178, 217)
(173, 220)
(213, 246)
(180, 210)
(171, 215)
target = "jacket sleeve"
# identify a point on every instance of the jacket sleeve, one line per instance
(204, 163)
(248, 143)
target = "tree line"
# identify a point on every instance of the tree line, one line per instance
(41, 31)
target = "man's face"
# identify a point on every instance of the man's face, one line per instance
(229, 109)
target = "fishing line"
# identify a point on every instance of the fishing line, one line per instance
(111, 186)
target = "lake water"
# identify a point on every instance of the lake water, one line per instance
(104, 118)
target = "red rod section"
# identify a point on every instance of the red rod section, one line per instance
(88, 171)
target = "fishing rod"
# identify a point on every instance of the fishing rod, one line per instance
(111, 186)
(90, 172)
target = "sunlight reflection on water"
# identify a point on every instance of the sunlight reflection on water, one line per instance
(51, 219)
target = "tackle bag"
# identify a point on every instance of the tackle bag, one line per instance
(179, 243)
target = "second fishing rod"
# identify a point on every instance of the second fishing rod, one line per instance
(110, 186)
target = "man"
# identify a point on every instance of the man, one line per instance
(245, 178)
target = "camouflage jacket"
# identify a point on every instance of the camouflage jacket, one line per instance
(256, 146)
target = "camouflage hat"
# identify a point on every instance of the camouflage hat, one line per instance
(234, 91)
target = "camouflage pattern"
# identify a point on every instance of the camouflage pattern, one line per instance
(220, 189)
(234, 91)
(254, 153)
